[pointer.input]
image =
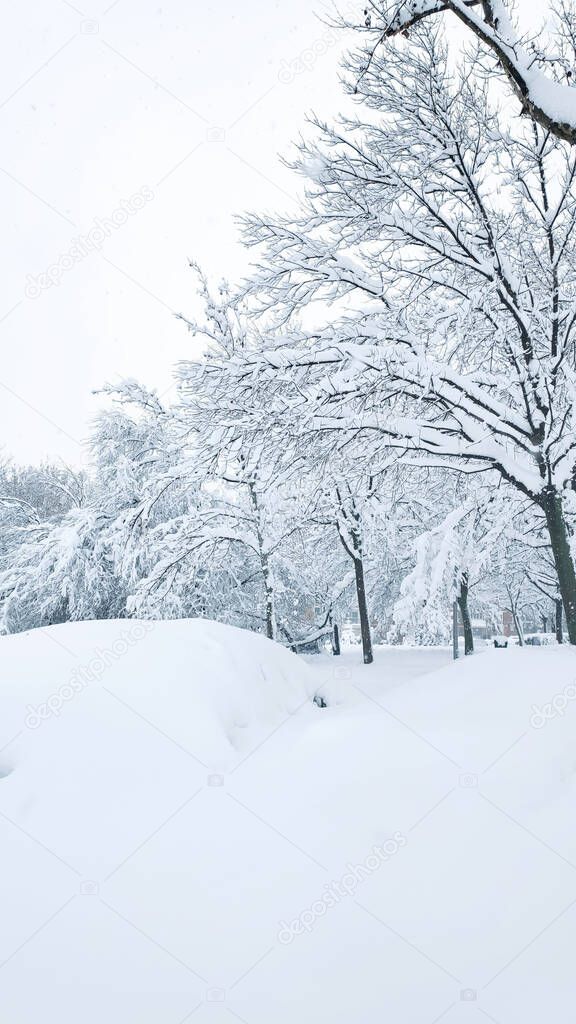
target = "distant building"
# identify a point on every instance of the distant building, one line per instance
(480, 629)
(509, 629)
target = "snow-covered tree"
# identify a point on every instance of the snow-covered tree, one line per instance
(541, 76)
(59, 572)
(390, 398)
(457, 559)
(445, 239)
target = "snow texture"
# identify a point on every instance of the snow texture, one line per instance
(187, 837)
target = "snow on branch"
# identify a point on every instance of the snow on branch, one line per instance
(550, 103)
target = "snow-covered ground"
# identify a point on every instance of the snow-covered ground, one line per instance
(346, 678)
(186, 837)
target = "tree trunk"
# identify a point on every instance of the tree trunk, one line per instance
(270, 617)
(464, 612)
(552, 505)
(544, 623)
(264, 563)
(455, 651)
(348, 523)
(335, 639)
(559, 635)
(363, 612)
(517, 624)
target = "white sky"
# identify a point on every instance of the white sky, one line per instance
(97, 101)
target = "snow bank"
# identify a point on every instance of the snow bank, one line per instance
(96, 718)
(213, 689)
(187, 838)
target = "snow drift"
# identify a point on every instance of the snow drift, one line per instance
(186, 837)
(213, 689)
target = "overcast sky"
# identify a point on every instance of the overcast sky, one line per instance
(139, 127)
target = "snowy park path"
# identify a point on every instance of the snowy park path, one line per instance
(392, 667)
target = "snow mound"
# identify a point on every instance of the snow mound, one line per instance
(213, 690)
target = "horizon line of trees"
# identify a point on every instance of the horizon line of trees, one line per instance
(145, 533)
